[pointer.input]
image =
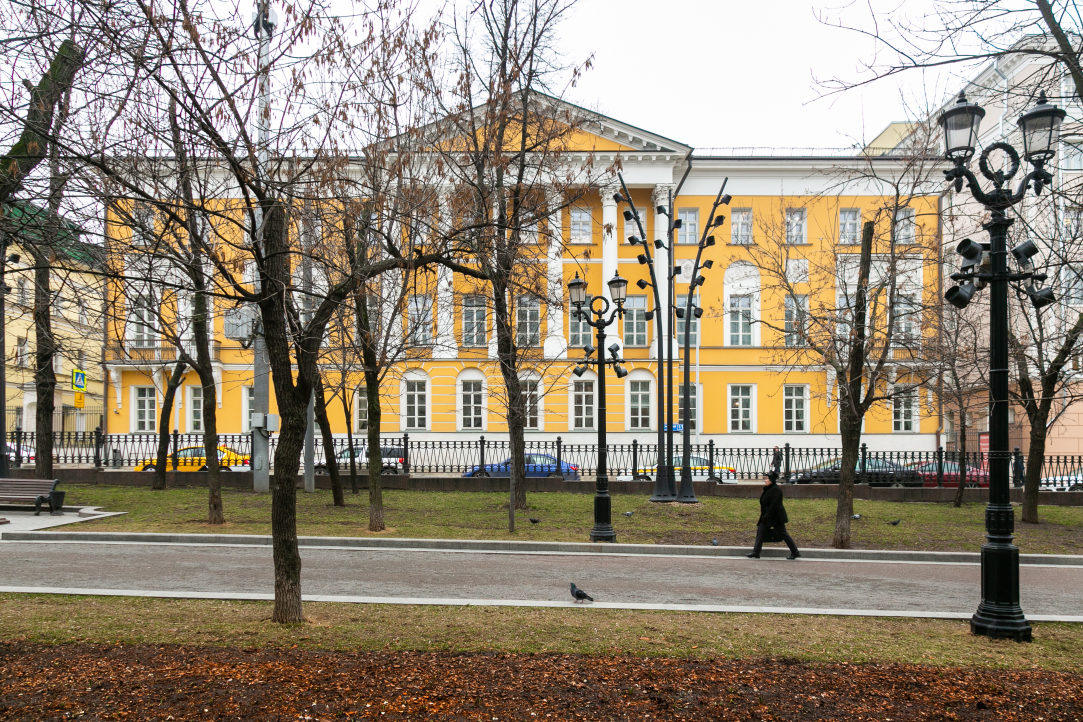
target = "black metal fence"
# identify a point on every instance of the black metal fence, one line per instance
(628, 461)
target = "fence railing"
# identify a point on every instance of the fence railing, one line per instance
(634, 460)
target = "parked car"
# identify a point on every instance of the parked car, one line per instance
(194, 458)
(975, 477)
(392, 460)
(700, 467)
(1072, 481)
(537, 465)
(878, 472)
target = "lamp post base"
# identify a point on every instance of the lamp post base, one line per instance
(999, 615)
(688, 491)
(603, 513)
(661, 487)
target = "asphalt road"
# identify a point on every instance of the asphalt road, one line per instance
(538, 577)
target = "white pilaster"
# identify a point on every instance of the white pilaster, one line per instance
(609, 257)
(445, 345)
(556, 346)
(660, 197)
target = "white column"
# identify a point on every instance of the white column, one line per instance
(609, 258)
(556, 346)
(660, 197)
(445, 346)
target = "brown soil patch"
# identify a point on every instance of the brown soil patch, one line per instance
(145, 682)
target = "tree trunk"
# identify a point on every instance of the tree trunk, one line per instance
(349, 440)
(961, 449)
(516, 417)
(215, 511)
(163, 425)
(850, 426)
(1035, 458)
(328, 445)
(376, 494)
(44, 377)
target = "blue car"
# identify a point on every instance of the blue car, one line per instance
(536, 465)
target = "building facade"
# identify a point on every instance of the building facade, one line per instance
(751, 385)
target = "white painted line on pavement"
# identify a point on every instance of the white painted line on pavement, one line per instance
(435, 601)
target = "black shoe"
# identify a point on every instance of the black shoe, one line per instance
(752, 555)
(795, 555)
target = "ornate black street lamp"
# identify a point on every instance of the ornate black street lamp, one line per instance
(599, 306)
(999, 614)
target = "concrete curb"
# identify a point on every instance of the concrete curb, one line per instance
(524, 547)
(665, 606)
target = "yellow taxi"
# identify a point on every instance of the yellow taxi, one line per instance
(700, 472)
(194, 458)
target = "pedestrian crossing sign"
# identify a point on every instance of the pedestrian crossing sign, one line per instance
(78, 380)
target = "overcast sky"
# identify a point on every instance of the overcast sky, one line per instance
(734, 73)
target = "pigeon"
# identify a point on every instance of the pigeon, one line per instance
(534, 521)
(628, 514)
(856, 516)
(580, 595)
(895, 523)
(714, 542)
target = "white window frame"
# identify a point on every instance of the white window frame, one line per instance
(361, 409)
(688, 233)
(58, 363)
(471, 305)
(144, 394)
(419, 320)
(730, 396)
(415, 397)
(906, 226)
(533, 408)
(907, 315)
(248, 405)
(589, 409)
(581, 226)
(630, 227)
(22, 353)
(528, 322)
(796, 226)
(580, 332)
(734, 314)
(1073, 285)
(141, 334)
(1072, 156)
(795, 317)
(795, 408)
(741, 227)
(905, 415)
(691, 322)
(635, 313)
(635, 421)
(471, 409)
(195, 410)
(849, 226)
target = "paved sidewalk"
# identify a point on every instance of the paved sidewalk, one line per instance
(21, 520)
(920, 588)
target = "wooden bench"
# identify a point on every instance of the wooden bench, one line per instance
(36, 491)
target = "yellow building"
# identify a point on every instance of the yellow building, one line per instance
(76, 319)
(752, 388)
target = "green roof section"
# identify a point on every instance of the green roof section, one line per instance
(31, 224)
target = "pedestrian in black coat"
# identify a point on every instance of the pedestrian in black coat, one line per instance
(1017, 468)
(772, 516)
(776, 461)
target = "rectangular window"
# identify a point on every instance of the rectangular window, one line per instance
(58, 362)
(691, 324)
(1073, 223)
(475, 324)
(741, 226)
(530, 402)
(907, 320)
(793, 409)
(583, 404)
(362, 406)
(640, 404)
(850, 225)
(795, 226)
(420, 320)
(693, 404)
(796, 315)
(740, 409)
(528, 322)
(1073, 157)
(631, 228)
(81, 312)
(903, 408)
(689, 230)
(471, 404)
(248, 405)
(142, 226)
(581, 226)
(1073, 285)
(416, 404)
(579, 331)
(146, 409)
(905, 226)
(82, 361)
(530, 233)
(195, 409)
(635, 321)
(740, 320)
(22, 353)
(142, 324)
